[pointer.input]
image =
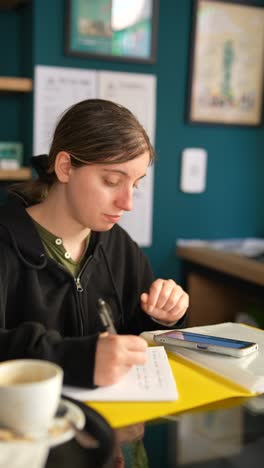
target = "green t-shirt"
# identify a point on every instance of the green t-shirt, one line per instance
(55, 249)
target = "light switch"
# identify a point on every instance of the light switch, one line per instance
(193, 170)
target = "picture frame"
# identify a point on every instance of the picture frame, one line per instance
(227, 63)
(123, 30)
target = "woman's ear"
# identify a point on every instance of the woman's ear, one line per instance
(63, 167)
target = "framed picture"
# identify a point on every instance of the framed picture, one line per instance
(112, 29)
(227, 63)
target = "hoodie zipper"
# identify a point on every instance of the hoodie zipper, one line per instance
(80, 289)
(78, 279)
(78, 284)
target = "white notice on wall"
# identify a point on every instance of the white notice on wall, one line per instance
(137, 92)
(56, 89)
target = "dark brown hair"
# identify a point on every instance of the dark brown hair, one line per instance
(94, 131)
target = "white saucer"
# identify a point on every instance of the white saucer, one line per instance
(60, 429)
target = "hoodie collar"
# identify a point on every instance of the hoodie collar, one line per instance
(18, 230)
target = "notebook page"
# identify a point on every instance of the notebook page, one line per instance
(152, 381)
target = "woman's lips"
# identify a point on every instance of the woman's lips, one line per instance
(113, 218)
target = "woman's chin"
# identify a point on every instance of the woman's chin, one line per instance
(104, 227)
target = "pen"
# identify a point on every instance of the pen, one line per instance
(105, 316)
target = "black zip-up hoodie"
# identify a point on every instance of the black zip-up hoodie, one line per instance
(45, 313)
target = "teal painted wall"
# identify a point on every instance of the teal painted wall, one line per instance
(233, 200)
(9, 65)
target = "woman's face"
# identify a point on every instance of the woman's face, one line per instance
(98, 195)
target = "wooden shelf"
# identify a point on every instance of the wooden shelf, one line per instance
(8, 83)
(24, 173)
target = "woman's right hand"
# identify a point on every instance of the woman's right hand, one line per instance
(115, 355)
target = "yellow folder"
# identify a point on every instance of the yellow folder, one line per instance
(197, 387)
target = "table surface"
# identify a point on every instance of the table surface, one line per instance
(231, 436)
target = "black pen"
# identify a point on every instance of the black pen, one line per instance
(105, 316)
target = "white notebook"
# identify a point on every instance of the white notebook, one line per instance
(152, 381)
(247, 372)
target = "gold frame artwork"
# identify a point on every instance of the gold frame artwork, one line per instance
(227, 63)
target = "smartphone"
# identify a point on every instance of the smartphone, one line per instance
(215, 344)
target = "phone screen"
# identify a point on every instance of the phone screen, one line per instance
(207, 339)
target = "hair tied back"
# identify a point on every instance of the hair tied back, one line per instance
(40, 164)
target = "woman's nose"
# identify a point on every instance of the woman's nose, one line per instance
(124, 200)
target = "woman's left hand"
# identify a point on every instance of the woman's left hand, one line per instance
(166, 301)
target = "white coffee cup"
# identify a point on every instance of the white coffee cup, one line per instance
(30, 391)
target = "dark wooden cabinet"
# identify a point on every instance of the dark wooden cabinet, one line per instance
(220, 284)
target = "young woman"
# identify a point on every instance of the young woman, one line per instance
(61, 249)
